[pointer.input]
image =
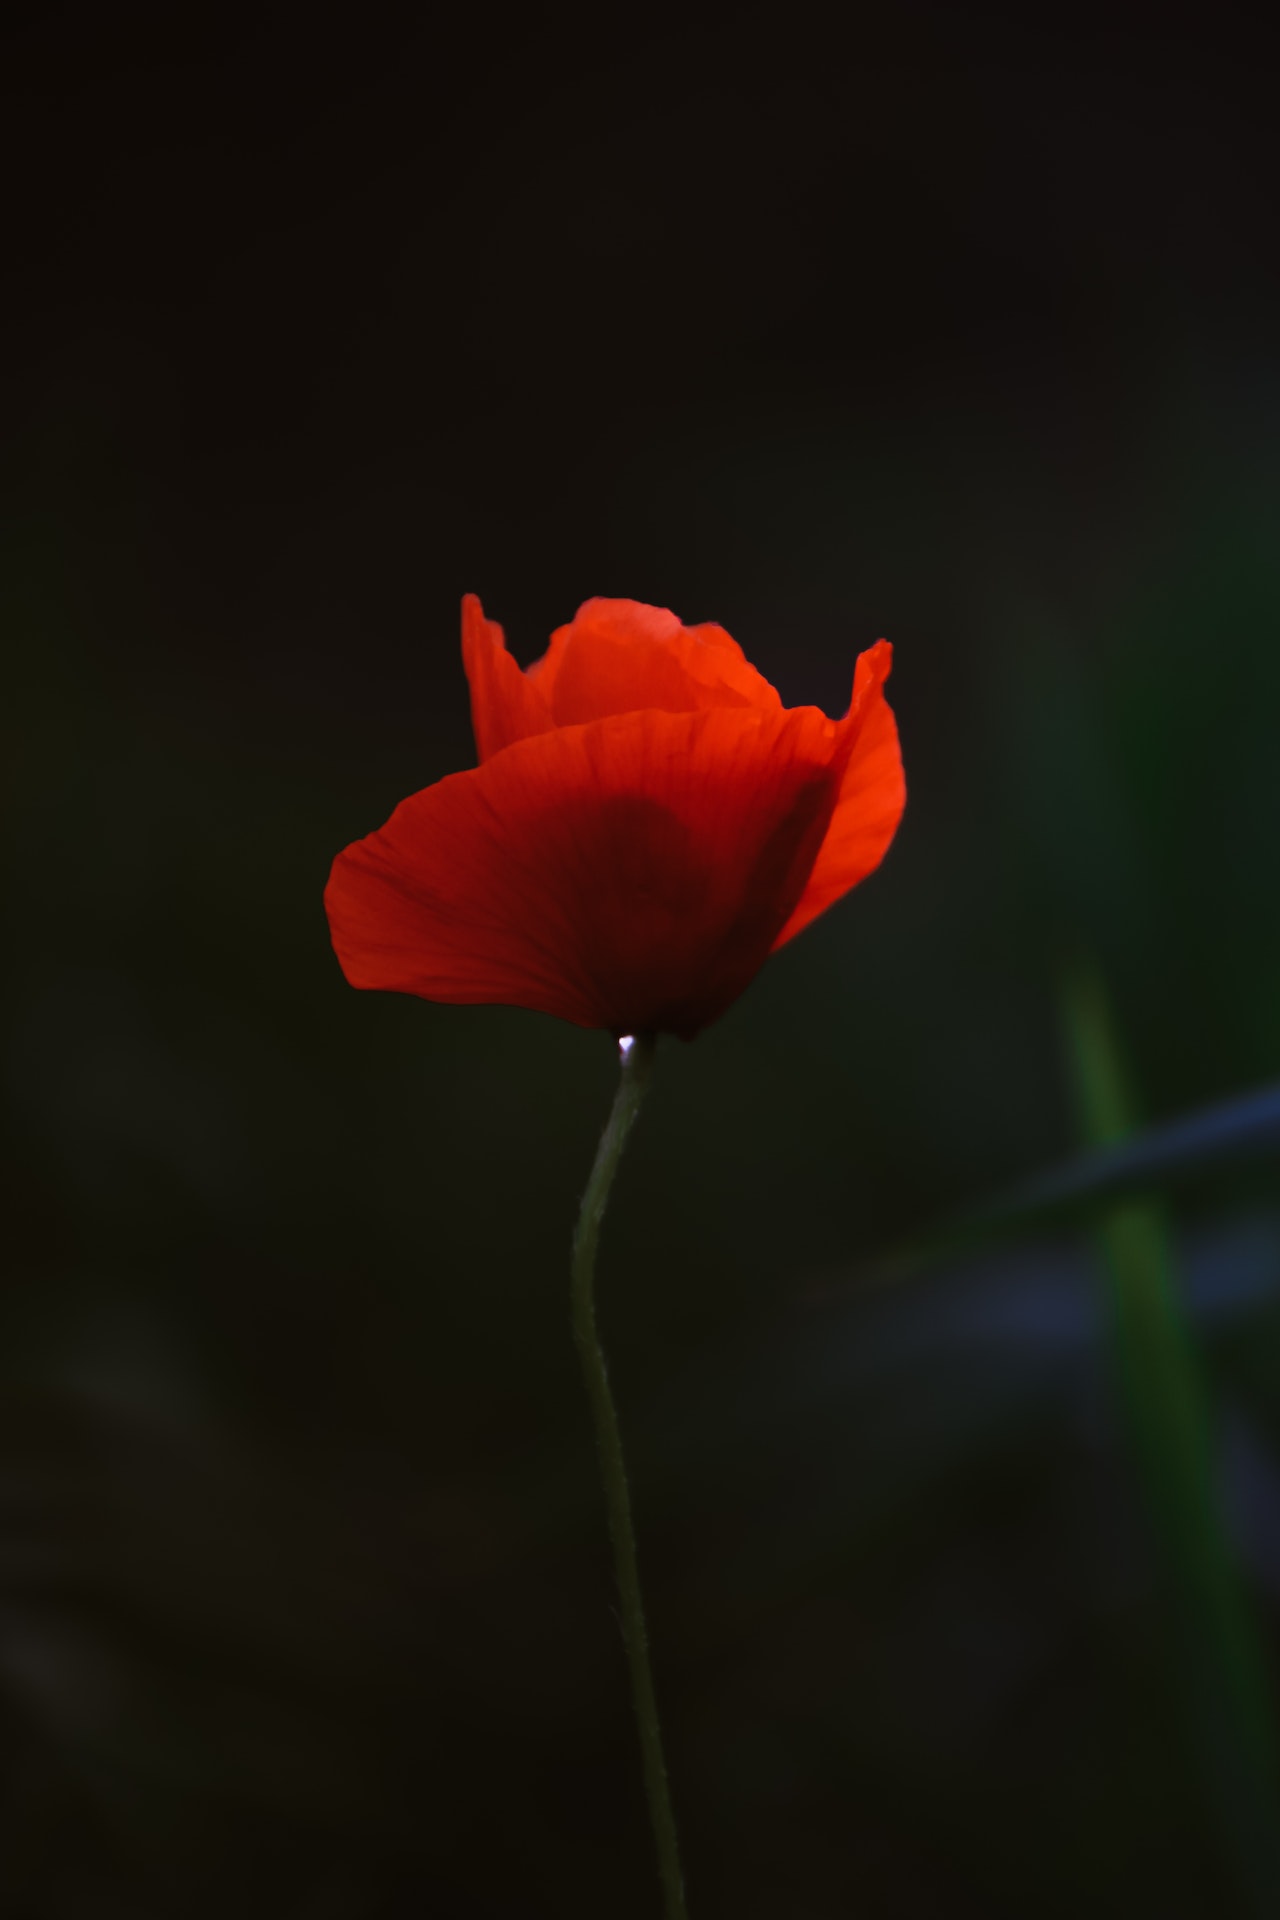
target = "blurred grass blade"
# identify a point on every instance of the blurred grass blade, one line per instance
(1220, 1672)
(1230, 1129)
(1245, 1128)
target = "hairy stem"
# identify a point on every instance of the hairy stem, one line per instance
(637, 1067)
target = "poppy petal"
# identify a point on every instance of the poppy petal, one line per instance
(505, 704)
(632, 874)
(872, 796)
(620, 656)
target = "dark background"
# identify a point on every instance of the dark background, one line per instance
(961, 329)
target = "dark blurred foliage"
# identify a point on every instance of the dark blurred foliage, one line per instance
(958, 328)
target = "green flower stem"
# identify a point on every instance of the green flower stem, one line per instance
(637, 1069)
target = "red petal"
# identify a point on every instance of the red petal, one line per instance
(505, 705)
(872, 796)
(620, 656)
(632, 874)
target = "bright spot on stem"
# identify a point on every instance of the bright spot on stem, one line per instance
(625, 1045)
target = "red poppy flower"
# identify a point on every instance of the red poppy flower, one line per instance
(647, 824)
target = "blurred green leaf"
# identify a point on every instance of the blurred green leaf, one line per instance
(1220, 1673)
